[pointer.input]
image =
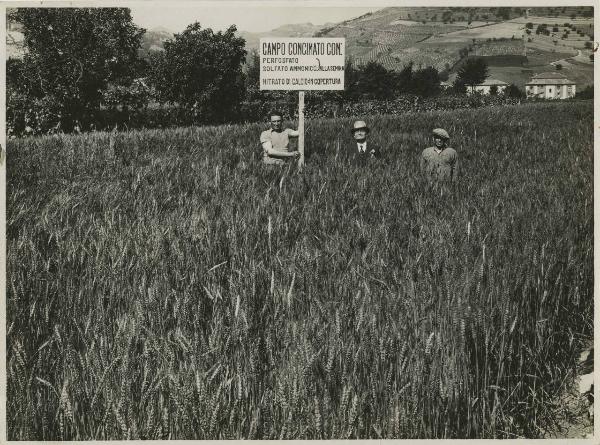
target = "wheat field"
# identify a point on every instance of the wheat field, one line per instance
(191, 293)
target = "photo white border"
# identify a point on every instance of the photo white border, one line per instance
(292, 4)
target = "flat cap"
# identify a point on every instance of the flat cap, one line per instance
(441, 133)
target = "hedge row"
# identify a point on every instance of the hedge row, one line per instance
(20, 123)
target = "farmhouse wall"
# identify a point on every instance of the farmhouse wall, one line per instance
(485, 89)
(551, 91)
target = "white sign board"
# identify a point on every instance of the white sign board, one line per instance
(302, 63)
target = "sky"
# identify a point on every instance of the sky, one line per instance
(257, 18)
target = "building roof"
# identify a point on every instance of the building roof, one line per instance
(490, 82)
(549, 75)
(535, 81)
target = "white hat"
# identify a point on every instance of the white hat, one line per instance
(360, 125)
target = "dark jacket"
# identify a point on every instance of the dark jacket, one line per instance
(362, 158)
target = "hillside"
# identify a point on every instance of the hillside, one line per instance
(424, 36)
(290, 30)
(442, 37)
(438, 37)
(153, 39)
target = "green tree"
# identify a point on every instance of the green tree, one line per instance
(376, 82)
(404, 79)
(202, 71)
(253, 75)
(587, 93)
(72, 56)
(503, 13)
(426, 82)
(513, 91)
(351, 81)
(472, 72)
(494, 90)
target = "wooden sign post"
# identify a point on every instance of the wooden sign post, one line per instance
(301, 128)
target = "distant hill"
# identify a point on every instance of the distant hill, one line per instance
(397, 36)
(439, 37)
(292, 30)
(153, 40)
(563, 11)
(14, 44)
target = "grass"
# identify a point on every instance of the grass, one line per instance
(195, 294)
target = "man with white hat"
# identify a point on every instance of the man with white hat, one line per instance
(361, 150)
(440, 162)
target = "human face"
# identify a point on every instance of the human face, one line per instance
(276, 122)
(439, 142)
(360, 135)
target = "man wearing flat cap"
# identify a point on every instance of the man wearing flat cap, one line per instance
(362, 151)
(440, 162)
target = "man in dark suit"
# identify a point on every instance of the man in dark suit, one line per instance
(361, 152)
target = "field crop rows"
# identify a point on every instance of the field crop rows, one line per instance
(500, 48)
(196, 294)
(395, 58)
(396, 38)
(425, 57)
(381, 54)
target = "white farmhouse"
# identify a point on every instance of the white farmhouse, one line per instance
(550, 86)
(445, 85)
(485, 87)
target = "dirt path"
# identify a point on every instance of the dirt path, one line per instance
(576, 415)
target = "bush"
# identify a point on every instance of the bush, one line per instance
(587, 93)
(137, 95)
(514, 92)
(317, 106)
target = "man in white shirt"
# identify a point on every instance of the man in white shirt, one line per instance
(275, 141)
(362, 151)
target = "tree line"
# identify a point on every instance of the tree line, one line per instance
(80, 63)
